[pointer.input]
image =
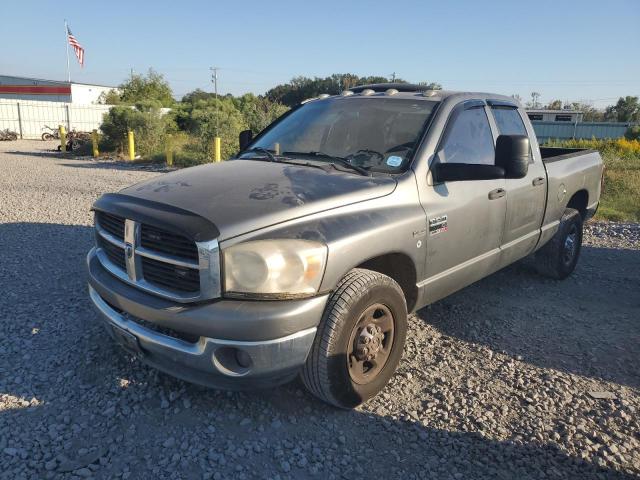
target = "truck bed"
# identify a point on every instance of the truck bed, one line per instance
(573, 177)
(552, 154)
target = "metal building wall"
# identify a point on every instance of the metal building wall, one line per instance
(557, 130)
(22, 88)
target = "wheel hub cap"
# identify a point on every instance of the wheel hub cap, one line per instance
(569, 249)
(370, 343)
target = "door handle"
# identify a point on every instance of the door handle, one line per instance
(497, 193)
(538, 181)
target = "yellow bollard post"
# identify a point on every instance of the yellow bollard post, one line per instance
(169, 152)
(132, 146)
(94, 143)
(216, 150)
(63, 138)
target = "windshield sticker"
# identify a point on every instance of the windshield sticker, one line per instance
(394, 161)
(438, 225)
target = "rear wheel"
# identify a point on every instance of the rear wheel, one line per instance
(559, 257)
(359, 341)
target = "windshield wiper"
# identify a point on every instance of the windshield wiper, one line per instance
(270, 156)
(341, 160)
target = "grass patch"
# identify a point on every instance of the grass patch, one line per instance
(620, 200)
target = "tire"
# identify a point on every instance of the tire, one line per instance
(46, 136)
(363, 302)
(559, 257)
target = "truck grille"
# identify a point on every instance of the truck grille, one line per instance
(112, 224)
(171, 276)
(115, 253)
(167, 242)
(156, 260)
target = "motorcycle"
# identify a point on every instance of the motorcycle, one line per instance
(51, 134)
(8, 135)
(75, 140)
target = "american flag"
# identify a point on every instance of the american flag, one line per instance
(77, 48)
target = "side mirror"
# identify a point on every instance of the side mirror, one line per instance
(513, 154)
(456, 172)
(245, 138)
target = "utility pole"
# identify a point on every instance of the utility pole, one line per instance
(393, 77)
(214, 80)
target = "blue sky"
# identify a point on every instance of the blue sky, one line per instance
(568, 49)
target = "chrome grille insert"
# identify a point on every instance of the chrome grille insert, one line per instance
(166, 264)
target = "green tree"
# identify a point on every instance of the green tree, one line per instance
(301, 88)
(589, 113)
(259, 112)
(431, 85)
(554, 105)
(149, 87)
(626, 110)
(110, 97)
(197, 94)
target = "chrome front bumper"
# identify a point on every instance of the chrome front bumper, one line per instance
(209, 361)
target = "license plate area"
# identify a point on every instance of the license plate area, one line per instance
(127, 340)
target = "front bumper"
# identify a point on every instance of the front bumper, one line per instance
(208, 360)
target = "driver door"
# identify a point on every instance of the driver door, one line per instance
(465, 219)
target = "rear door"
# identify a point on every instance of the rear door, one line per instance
(526, 196)
(464, 218)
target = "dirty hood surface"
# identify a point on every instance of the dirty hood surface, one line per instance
(241, 196)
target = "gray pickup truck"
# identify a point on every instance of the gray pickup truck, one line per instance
(304, 254)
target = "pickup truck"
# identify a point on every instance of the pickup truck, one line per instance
(305, 253)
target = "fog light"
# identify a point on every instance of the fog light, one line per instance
(232, 361)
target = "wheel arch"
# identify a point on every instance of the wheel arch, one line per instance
(579, 201)
(401, 268)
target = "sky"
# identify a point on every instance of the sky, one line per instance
(577, 50)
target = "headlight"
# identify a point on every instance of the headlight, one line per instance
(274, 268)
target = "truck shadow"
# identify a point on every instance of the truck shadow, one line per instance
(88, 162)
(585, 324)
(119, 165)
(63, 379)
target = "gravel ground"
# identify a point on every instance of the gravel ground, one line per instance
(498, 380)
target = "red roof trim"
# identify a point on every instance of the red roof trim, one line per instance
(36, 89)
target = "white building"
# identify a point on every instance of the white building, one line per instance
(564, 115)
(25, 88)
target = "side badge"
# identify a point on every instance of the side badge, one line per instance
(438, 225)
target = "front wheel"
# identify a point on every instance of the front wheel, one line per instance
(46, 136)
(559, 257)
(359, 341)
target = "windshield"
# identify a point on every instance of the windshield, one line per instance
(371, 133)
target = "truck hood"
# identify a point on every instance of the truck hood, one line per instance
(241, 196)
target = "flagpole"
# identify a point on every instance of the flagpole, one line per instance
(66, 37)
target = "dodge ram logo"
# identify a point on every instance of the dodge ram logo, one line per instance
(128, 249)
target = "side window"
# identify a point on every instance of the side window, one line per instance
(468, 138)
(509, 121)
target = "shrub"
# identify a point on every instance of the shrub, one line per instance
(203, 118)
(146, 120)
(633, 133)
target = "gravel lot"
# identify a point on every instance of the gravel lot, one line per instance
(497, 381)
